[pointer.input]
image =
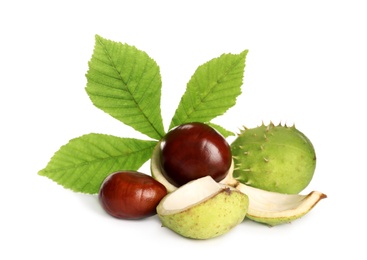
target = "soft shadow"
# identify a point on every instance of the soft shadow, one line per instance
(90, 202)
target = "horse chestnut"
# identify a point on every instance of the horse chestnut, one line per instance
(194, 150)
(130, 195)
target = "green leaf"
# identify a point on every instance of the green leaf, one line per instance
(126, 83)
(84, 162)
(212, 90)
(221, 130)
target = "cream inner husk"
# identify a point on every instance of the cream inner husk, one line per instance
(277, 204)
(191, 194)
(271, 201)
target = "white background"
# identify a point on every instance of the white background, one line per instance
(307, 64)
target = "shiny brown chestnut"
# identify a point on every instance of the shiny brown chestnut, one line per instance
(194, 150)
(130, 195)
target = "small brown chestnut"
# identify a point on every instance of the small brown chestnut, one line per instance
(194, 150)
(130, 195)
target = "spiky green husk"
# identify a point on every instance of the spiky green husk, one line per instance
(274, 158)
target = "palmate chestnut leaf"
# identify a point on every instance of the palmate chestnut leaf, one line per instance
(125, 82)
(84, 162)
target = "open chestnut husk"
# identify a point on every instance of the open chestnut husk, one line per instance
(130, 195)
